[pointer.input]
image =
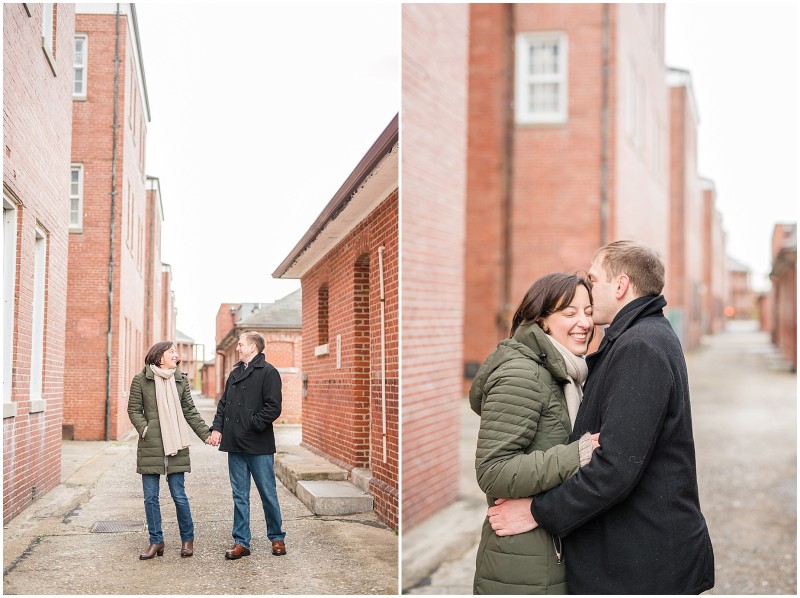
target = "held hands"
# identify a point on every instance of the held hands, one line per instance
(596, 441)
(214, 439)
(509, 517)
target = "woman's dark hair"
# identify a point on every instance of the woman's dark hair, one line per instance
(156, 352)
(549, 294)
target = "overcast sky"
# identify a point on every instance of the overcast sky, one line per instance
(743, 61)
(259, 114)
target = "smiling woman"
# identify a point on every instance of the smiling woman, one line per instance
(159, 406)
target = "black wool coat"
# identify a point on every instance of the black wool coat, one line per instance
(250, 403)
(632, 516)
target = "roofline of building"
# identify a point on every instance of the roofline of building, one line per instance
(683, 78)
(157, 188)
(135, 21)
(382, 146)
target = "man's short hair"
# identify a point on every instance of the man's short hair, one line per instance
(254, 338)
(641, 263)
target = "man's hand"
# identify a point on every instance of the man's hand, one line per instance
(512, 517)
(214, 439)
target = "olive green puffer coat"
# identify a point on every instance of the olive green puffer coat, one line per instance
(518, 392)
(143, 412)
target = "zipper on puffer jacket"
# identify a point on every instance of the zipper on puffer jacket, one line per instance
(558, 549)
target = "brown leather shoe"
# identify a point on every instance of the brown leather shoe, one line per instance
(237, 552)
(151, 551)
(278, 548)
(187, 548)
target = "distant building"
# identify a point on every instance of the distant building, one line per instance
(348, 264)
(280, 325)
(742, 300)
(38, 52)
(784, 290)
(190, 362)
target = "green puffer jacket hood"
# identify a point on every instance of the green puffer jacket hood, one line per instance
(521, 451)
(143, 413)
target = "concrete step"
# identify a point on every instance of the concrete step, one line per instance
(333, 497)
(294, 463)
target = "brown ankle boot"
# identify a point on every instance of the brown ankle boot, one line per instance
(187, 548)
(151, 551)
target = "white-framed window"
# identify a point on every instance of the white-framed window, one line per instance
(76, 199)
(37, 329)
(9, 282)
(541, 86)
(80, 66)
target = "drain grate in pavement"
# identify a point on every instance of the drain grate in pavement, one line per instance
(117, 526)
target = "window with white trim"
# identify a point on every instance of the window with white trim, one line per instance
(80, 63)
(541, 87)
(76, 199)
(9, 282)
(37, 330)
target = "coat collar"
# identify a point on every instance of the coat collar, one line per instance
(240, 372)
(542, 350)
(639, 308)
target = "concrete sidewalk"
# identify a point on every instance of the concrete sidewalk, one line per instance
(51, 547)
(744, 415)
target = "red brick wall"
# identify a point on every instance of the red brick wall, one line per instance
(37, 115)
(434, 166)
(87, 305)
(342, 415)
(153, 315)
(712, 318)
(784, 292)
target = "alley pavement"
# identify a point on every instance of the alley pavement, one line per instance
(744, 409)
(84, 536)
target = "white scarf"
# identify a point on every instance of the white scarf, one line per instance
(174, 435)
(577, 371)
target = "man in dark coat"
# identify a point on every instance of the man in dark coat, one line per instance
(632, 516)
(243, 428)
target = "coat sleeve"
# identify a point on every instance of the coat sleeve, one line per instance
(192, 415)
(509, 422)
(271, 398)
(135, 408)
(219, 416)
(635, 396)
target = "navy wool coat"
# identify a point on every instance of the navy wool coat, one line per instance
(631, 517)
(250, 403)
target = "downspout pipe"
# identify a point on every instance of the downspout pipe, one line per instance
(504, 319)
(381, 249)
(113, 230)
(604, 130)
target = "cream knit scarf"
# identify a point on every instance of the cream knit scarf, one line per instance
(577, 371)
(174, 435)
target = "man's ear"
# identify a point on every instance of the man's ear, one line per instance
(623, 284)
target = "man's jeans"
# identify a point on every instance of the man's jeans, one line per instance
(240, 467)
(152, 509)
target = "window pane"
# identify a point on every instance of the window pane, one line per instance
(74, 204)
(78, 88)
(79, 50)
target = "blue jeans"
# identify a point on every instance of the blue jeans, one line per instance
(240, 467)
(152, 509)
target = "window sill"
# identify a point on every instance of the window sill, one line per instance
(9, 410)
(38, 405)
(321, 350)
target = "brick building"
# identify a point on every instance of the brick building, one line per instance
(114, 245)
(715, 283)
(280, 325)
(742, 300)
(37, 116)
(433, 215)
(348, 264)
(190, 363)
(783, 297)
